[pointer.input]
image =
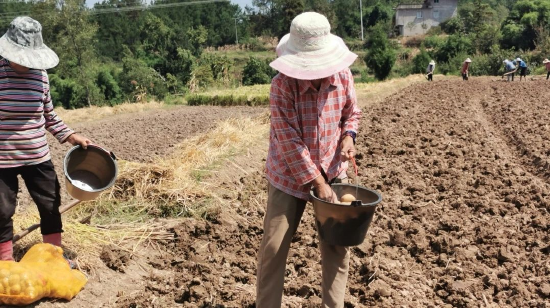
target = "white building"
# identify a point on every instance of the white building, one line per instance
(415, 19)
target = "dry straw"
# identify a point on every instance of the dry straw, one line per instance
(174, 181)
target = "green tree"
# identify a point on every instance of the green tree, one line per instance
(74, 38)
(380, 55)
(522, 25)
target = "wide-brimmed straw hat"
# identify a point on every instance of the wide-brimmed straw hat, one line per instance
(311, 51)
(518, 60)
(22, 44)
(468, 60)
(545, 61)
(432, 62)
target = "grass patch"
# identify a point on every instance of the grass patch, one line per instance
(94, 113)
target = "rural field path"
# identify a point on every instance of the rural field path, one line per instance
(463, 168)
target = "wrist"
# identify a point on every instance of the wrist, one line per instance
(351, 134)
(318, 181)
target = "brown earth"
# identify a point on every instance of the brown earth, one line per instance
(464, 171)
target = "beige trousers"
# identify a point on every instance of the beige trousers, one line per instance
(282, 218)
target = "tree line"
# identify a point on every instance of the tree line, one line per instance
(128, 50)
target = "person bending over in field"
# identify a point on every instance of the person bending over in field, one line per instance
(314, 121)
(510, 69)
(26, 113)
(522, 66)
(465, 68)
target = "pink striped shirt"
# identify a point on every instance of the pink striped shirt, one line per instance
(26, 113)
(307, 127)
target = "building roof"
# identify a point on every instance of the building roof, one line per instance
(409, 6)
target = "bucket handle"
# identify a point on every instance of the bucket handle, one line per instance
(113, 156)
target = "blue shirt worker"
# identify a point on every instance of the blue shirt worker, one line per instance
(522, 68)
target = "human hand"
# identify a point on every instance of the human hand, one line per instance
(323, 190)
(347, 151)
(76, 139)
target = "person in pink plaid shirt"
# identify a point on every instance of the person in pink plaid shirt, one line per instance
(314, 122)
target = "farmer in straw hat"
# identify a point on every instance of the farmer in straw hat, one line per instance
(26, 113)
(314, 121)
(465, 67)
(547, 64)
(430, 70)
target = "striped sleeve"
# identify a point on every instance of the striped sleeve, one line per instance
(54, 124)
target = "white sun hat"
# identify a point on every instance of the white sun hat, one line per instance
(518, 60)
(468, 60)
(283, 41)
(432, 62)
(22, 44)
(311, 51)
(545, 61)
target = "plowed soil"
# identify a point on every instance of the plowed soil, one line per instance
(463, 168)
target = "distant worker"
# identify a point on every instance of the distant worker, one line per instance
(430, 70)
(522, 66)
(510, 69)
(465, 68)
(27, 112)
(547, 64)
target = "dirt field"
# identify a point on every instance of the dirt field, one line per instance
(464, 171)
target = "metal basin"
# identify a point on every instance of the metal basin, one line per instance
(89, 172)
(341, 224)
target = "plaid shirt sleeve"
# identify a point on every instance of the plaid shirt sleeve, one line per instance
(351, 112)
(284, 119)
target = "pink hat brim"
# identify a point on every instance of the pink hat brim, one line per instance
(314, 65)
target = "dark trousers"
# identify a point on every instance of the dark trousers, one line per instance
(547, 75)
(464, 76)
(430, 76)
(43, 186)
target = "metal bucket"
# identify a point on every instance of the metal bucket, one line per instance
(341, 224)
(89, 172)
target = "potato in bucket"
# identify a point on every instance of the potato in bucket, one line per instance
(342, 224)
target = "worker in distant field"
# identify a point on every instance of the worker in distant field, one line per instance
(430, 70)
(26, 113)
(314, 122)
(546, 63)
(510, 69)
(465, 68)
(522, 66)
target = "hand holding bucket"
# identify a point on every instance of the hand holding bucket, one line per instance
(345, 225)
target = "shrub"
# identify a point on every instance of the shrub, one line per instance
(454, 25)
(380, 54)
(453, 46)
(108, 86)
(227, 100)
(66, 92)
(433, 42)
(257, 71)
